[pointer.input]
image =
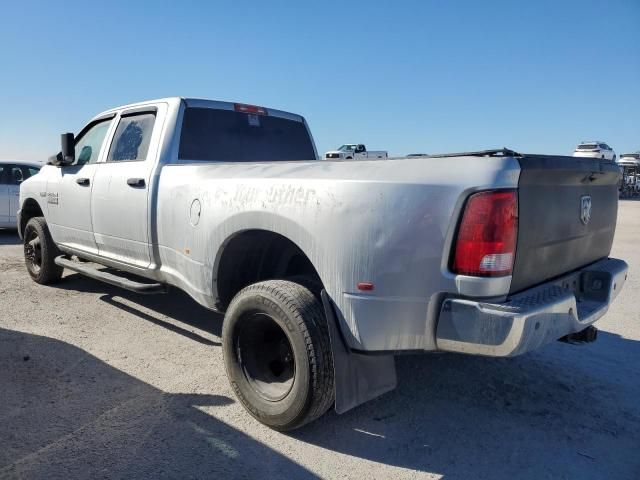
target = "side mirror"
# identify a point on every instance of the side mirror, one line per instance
(55, 159)
(67, 143)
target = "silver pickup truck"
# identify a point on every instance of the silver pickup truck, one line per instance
(326, 269)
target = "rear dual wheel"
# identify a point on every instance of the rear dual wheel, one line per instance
(277, 353)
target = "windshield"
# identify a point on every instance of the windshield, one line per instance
(347, 148)
(630, 156)
(229, 136)
(588, 146)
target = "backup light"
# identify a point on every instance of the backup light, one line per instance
(486, 241)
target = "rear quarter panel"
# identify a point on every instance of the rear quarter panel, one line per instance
(389, 222)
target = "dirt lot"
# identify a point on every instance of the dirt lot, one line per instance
(96, 382)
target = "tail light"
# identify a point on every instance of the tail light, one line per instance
(486, 241)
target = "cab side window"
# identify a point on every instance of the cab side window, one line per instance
(15, 175)
(19, 173)
(89, 144)
(132, 138)
(4, 174)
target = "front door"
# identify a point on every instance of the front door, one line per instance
(69, 190)
(120, 197)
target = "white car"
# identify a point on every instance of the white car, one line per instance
(595, 149)
(629, 164)
(350, 151)
(12, 174)
(630, 159)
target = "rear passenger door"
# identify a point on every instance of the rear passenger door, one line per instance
(120, 197)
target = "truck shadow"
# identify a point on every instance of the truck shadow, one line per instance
(67, 414)
(562, 412)
(9, 237)
(174, 305)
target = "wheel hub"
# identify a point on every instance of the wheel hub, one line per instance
(266, 355)
(33, 251)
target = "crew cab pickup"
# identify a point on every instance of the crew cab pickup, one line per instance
(325, 269)
(351, 151)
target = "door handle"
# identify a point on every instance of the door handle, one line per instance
(83, 181)
(135, 182)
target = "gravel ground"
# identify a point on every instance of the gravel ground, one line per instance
(96, 382)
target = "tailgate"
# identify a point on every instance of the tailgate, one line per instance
(567, 209)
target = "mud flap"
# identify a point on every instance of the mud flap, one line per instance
(358, 378)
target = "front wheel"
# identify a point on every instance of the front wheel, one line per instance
(40, 252)
(277, 353)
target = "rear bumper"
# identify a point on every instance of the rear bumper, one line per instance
(531, 318)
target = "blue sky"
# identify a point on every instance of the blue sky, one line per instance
(415, 76)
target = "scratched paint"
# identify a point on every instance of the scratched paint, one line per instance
(382, 221)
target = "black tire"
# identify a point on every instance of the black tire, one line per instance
(277, 354)
(312, 284)
(40, 252)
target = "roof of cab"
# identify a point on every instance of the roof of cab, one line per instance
(198, 102)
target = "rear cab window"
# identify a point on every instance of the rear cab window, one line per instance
(210, 134)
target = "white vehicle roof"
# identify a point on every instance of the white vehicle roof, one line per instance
(29, 163)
